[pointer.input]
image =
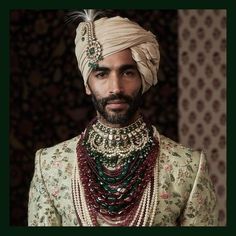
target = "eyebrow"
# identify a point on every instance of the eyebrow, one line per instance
(121, 68)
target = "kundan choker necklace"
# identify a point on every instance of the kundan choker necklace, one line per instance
(116, 176)
(117, 146)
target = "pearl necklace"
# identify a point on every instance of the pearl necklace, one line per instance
(142, 213)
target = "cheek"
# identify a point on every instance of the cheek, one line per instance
(136, 86)
(97, 90)
(140, 84)
(94, 87)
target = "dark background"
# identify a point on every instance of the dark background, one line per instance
(47, 98)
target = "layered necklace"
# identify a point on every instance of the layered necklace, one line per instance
(116, 176)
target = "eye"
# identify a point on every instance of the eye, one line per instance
(130, 73)
(101, 74)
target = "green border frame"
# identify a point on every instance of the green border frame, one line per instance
(109, 4)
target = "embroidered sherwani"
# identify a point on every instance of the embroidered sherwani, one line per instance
(185, 193)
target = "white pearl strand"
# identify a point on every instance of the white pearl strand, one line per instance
(80, 201)
(148, 204)
(155, 196)
(140, 211)
(146, 210)
(155, 193)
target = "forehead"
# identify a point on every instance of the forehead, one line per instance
(118, 59)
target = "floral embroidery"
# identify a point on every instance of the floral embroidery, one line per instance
(168, 168)
(164, 195)
(186, 194)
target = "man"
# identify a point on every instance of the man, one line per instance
(120, 171)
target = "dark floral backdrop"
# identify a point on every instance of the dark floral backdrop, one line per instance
(47, 99)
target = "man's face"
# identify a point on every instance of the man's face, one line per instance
(115, 87)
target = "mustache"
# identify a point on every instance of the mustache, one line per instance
(112, 97)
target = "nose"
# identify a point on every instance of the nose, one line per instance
(115, 84)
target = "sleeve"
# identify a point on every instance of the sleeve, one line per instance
(201, 208)
(41, 211)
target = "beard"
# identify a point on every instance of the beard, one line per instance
(118, 116)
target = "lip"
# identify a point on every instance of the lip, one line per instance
(116, 104)
(116, 101)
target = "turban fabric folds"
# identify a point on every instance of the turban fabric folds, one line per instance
(114, 35)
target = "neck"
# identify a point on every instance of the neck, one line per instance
(111, 125)
(117, 146)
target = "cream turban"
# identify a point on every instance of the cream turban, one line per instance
(114, 35)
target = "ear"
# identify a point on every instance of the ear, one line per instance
(87, 90)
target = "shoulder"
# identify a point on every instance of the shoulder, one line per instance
(174, 148)
(58, 154)
(67, 146)
(177, 155)
(55, 164)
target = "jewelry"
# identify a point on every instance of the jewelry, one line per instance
(126, 196)
(115, 146)
(94, 48)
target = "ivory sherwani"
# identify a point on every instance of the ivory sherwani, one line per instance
(185, 193)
